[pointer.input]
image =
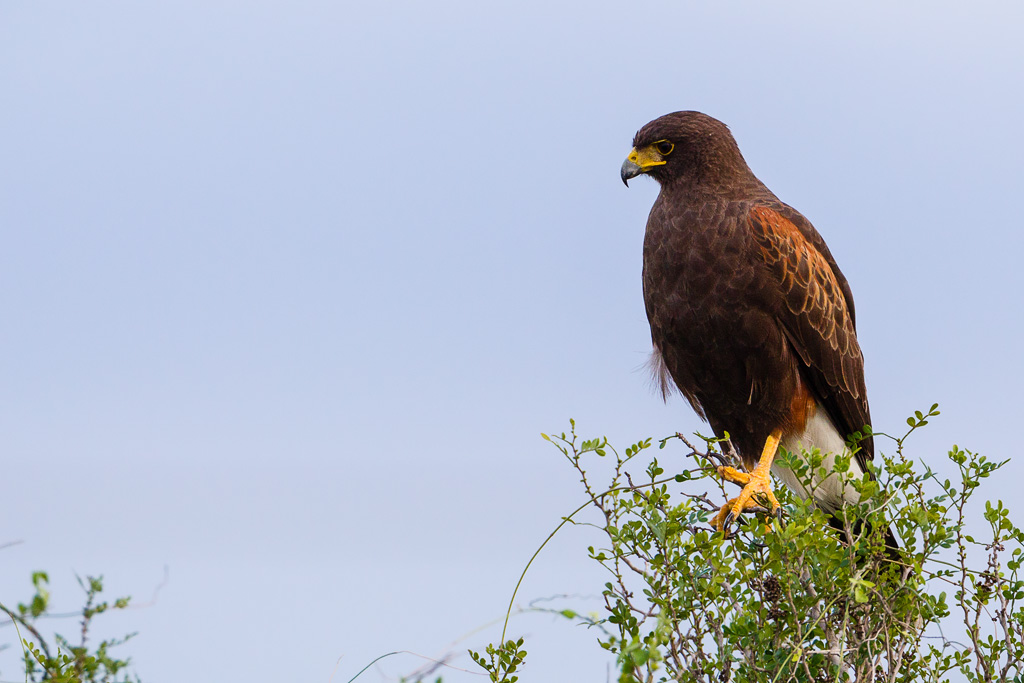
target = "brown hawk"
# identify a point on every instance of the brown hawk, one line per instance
(751, 318)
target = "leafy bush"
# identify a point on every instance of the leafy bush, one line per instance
(797, 600)
(56, 659)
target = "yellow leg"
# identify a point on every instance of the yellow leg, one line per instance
(734, 475)
(757, 483)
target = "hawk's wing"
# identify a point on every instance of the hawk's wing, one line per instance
(816, 311)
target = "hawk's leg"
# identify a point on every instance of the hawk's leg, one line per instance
(756, 484)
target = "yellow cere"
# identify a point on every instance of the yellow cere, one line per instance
(646, 157)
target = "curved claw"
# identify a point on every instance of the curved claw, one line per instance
(722, 523)
(757, 485)
(727, 522)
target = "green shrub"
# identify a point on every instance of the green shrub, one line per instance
(55, 659)
(796, 600)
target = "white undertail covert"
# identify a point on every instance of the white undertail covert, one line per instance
(820, 433)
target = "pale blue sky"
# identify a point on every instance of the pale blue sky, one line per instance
(290, 289)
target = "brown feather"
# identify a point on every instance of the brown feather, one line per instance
(750, 315)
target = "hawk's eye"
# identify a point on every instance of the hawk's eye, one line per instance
(664, 147)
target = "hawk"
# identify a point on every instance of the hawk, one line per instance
(751, 318)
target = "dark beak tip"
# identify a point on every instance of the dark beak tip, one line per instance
(629, 170)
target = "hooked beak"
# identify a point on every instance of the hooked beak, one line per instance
(630, 169)
(640, 161)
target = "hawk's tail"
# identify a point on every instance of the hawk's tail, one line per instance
(892, 546)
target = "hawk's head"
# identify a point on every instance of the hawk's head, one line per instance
(684, 144)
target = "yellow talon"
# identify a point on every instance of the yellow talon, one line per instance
(734, 475)
(755, 484)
